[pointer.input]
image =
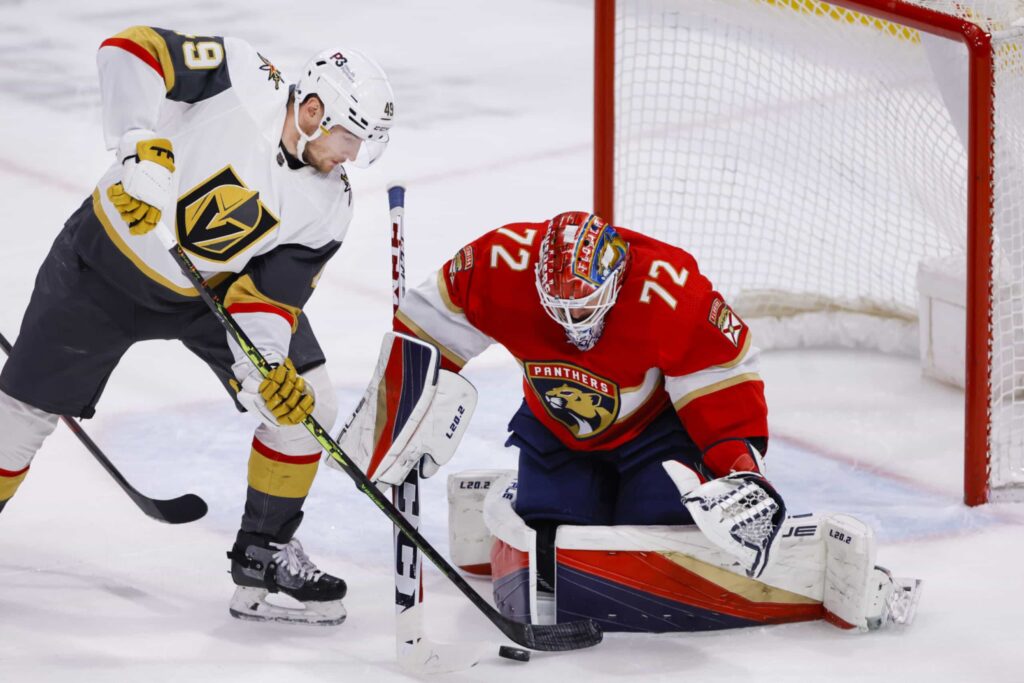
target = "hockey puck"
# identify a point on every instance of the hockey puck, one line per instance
(514, 653)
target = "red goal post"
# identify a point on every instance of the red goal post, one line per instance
(674, 144)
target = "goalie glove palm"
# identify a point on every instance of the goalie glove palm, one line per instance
(281, 398)
(741, 513)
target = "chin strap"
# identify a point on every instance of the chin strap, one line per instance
(300, 146)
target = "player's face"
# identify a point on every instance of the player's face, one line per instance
(330, 149)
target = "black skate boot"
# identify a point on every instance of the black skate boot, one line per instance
(262, 564)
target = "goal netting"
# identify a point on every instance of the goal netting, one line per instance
(813, 156)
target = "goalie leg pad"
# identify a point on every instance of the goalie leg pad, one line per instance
(469, 539)
(411, 412)
(858, 594)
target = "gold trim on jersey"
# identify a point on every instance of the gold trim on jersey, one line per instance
(717, 386)
(749, 589)
(244, 291)
(443, 291)
(153, 43)
(742, 354)
(143, 267)
(419, 332)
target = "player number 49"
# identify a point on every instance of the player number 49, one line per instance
(678, 276)
(203, 54)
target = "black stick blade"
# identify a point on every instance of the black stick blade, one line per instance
(573, 635)
(180, 510)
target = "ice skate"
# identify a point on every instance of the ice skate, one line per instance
(261, 565)
(894, 602)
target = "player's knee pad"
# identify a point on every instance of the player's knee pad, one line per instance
(24, 428)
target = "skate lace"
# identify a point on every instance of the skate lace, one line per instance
(294, 559)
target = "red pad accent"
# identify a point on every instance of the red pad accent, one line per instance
(137, 50)
(16, 473)
(507, 560)
(270, 454)
(837, 622)
(653, 573)
(392, 394)
(729, 456)
(477, 569)
(257, 307)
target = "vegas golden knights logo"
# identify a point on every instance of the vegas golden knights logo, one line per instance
(584, 402)
(221, 217)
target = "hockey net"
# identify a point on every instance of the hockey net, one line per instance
(813, 156)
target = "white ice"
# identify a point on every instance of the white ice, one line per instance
(494, 126)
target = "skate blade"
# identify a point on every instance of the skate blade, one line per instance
(250, 604)
(903, 601)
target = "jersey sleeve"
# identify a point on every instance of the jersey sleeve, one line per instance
(713, 382)
(267, 299)
(142, 66)
(436, 310)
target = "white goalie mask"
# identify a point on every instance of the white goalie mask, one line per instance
(579, 274)
(356, 95)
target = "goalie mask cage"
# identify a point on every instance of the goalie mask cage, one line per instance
(812, 155)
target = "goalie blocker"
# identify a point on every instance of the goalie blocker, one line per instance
(412, 412)
(671, 578)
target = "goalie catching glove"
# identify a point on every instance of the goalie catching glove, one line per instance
(741, 513)
(412, 414)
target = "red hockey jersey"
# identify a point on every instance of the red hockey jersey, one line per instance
(670, 338)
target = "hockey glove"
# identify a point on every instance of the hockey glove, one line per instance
(281, 398)
(741, 513)
(147, 180)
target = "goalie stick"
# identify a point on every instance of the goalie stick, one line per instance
(416, 652)
(180, 510)
(569, 636)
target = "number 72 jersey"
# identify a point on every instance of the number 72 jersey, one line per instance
(670, 338)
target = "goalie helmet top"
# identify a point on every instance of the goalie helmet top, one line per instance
(579, 274)
(356, 95)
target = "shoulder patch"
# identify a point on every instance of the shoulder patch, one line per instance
(727, 322)
(273, 73)
(463, 260)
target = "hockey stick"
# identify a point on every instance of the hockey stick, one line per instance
(416, 652)
(570, 636)
(180, 510)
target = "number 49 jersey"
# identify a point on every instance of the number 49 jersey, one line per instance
(669, 338)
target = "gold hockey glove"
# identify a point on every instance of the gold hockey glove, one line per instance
(285, 395)
(147, 182)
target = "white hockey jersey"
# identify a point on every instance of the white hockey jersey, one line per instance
(243, 206)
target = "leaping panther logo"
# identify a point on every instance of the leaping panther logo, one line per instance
(585, 403)
(584, 409)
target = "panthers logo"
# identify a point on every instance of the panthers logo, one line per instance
(585, 403)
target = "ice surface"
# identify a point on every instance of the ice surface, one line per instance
(494, 115)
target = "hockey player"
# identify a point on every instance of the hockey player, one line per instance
(640, 385)
(248, 172)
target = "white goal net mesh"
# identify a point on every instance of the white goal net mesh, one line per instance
(811, 157)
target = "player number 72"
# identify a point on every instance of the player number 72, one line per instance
(650, 286)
